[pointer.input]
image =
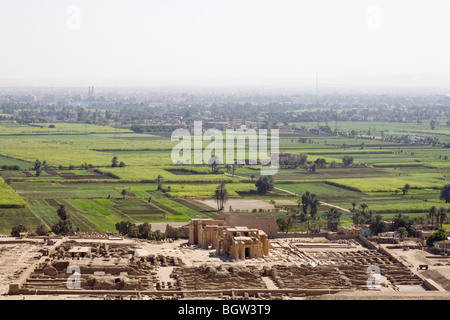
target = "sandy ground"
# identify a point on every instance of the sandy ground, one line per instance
(240, 204)
(15, 257)
(286, 202)
(438, 267)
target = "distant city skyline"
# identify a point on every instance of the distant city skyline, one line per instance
(349, 43)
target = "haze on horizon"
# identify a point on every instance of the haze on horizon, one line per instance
(225, 43)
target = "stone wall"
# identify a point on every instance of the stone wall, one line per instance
(266, 224)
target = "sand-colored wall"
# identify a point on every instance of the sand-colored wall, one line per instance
(266, 224)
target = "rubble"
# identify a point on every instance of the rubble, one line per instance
(289, 269)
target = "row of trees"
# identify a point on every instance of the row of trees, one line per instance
(307, 211)
(440, 215)
(41, 230)
(142, 231)
(363, 216)
(332, 217)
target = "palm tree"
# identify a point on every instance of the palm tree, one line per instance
(305, 201)
(378, 225)
(363, 207)
(356, 217)
(406, 188)
(221, 196)
(159, 180)
(334, 218)
(441, 216)
(114, 161)
(124, 193)
(431, 214)
(314, 204)
(367, 215)
(354, 206)
(37, 164)
(420, 220)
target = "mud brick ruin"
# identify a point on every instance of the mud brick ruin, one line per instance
(224, 276)
(218, 261)
(101, 266)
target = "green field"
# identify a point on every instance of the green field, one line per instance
(95, 202)
(10, 129)
(9, 198)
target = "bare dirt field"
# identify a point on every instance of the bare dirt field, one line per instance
(14, 259)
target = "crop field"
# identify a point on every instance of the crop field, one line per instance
(4, 161)
(10, 129)
(143, 173)
(13, 217)
(9, 198)
(321, 189)
(376, 128)
(207, 190)
(94, 195)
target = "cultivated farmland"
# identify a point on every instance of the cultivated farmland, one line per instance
(80, 176)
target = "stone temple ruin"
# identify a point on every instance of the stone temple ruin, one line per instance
(236, 242)
(218, 262)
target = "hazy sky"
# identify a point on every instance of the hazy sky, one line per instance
(212, 42)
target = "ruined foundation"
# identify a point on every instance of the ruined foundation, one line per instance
(291, 269)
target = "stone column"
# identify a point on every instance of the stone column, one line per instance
(242, 250)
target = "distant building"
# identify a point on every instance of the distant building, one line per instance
(219, 125)
(414, 139)
(285, 129)
(390, 234)
(442, 246)
(355, 230)
(424, 234)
